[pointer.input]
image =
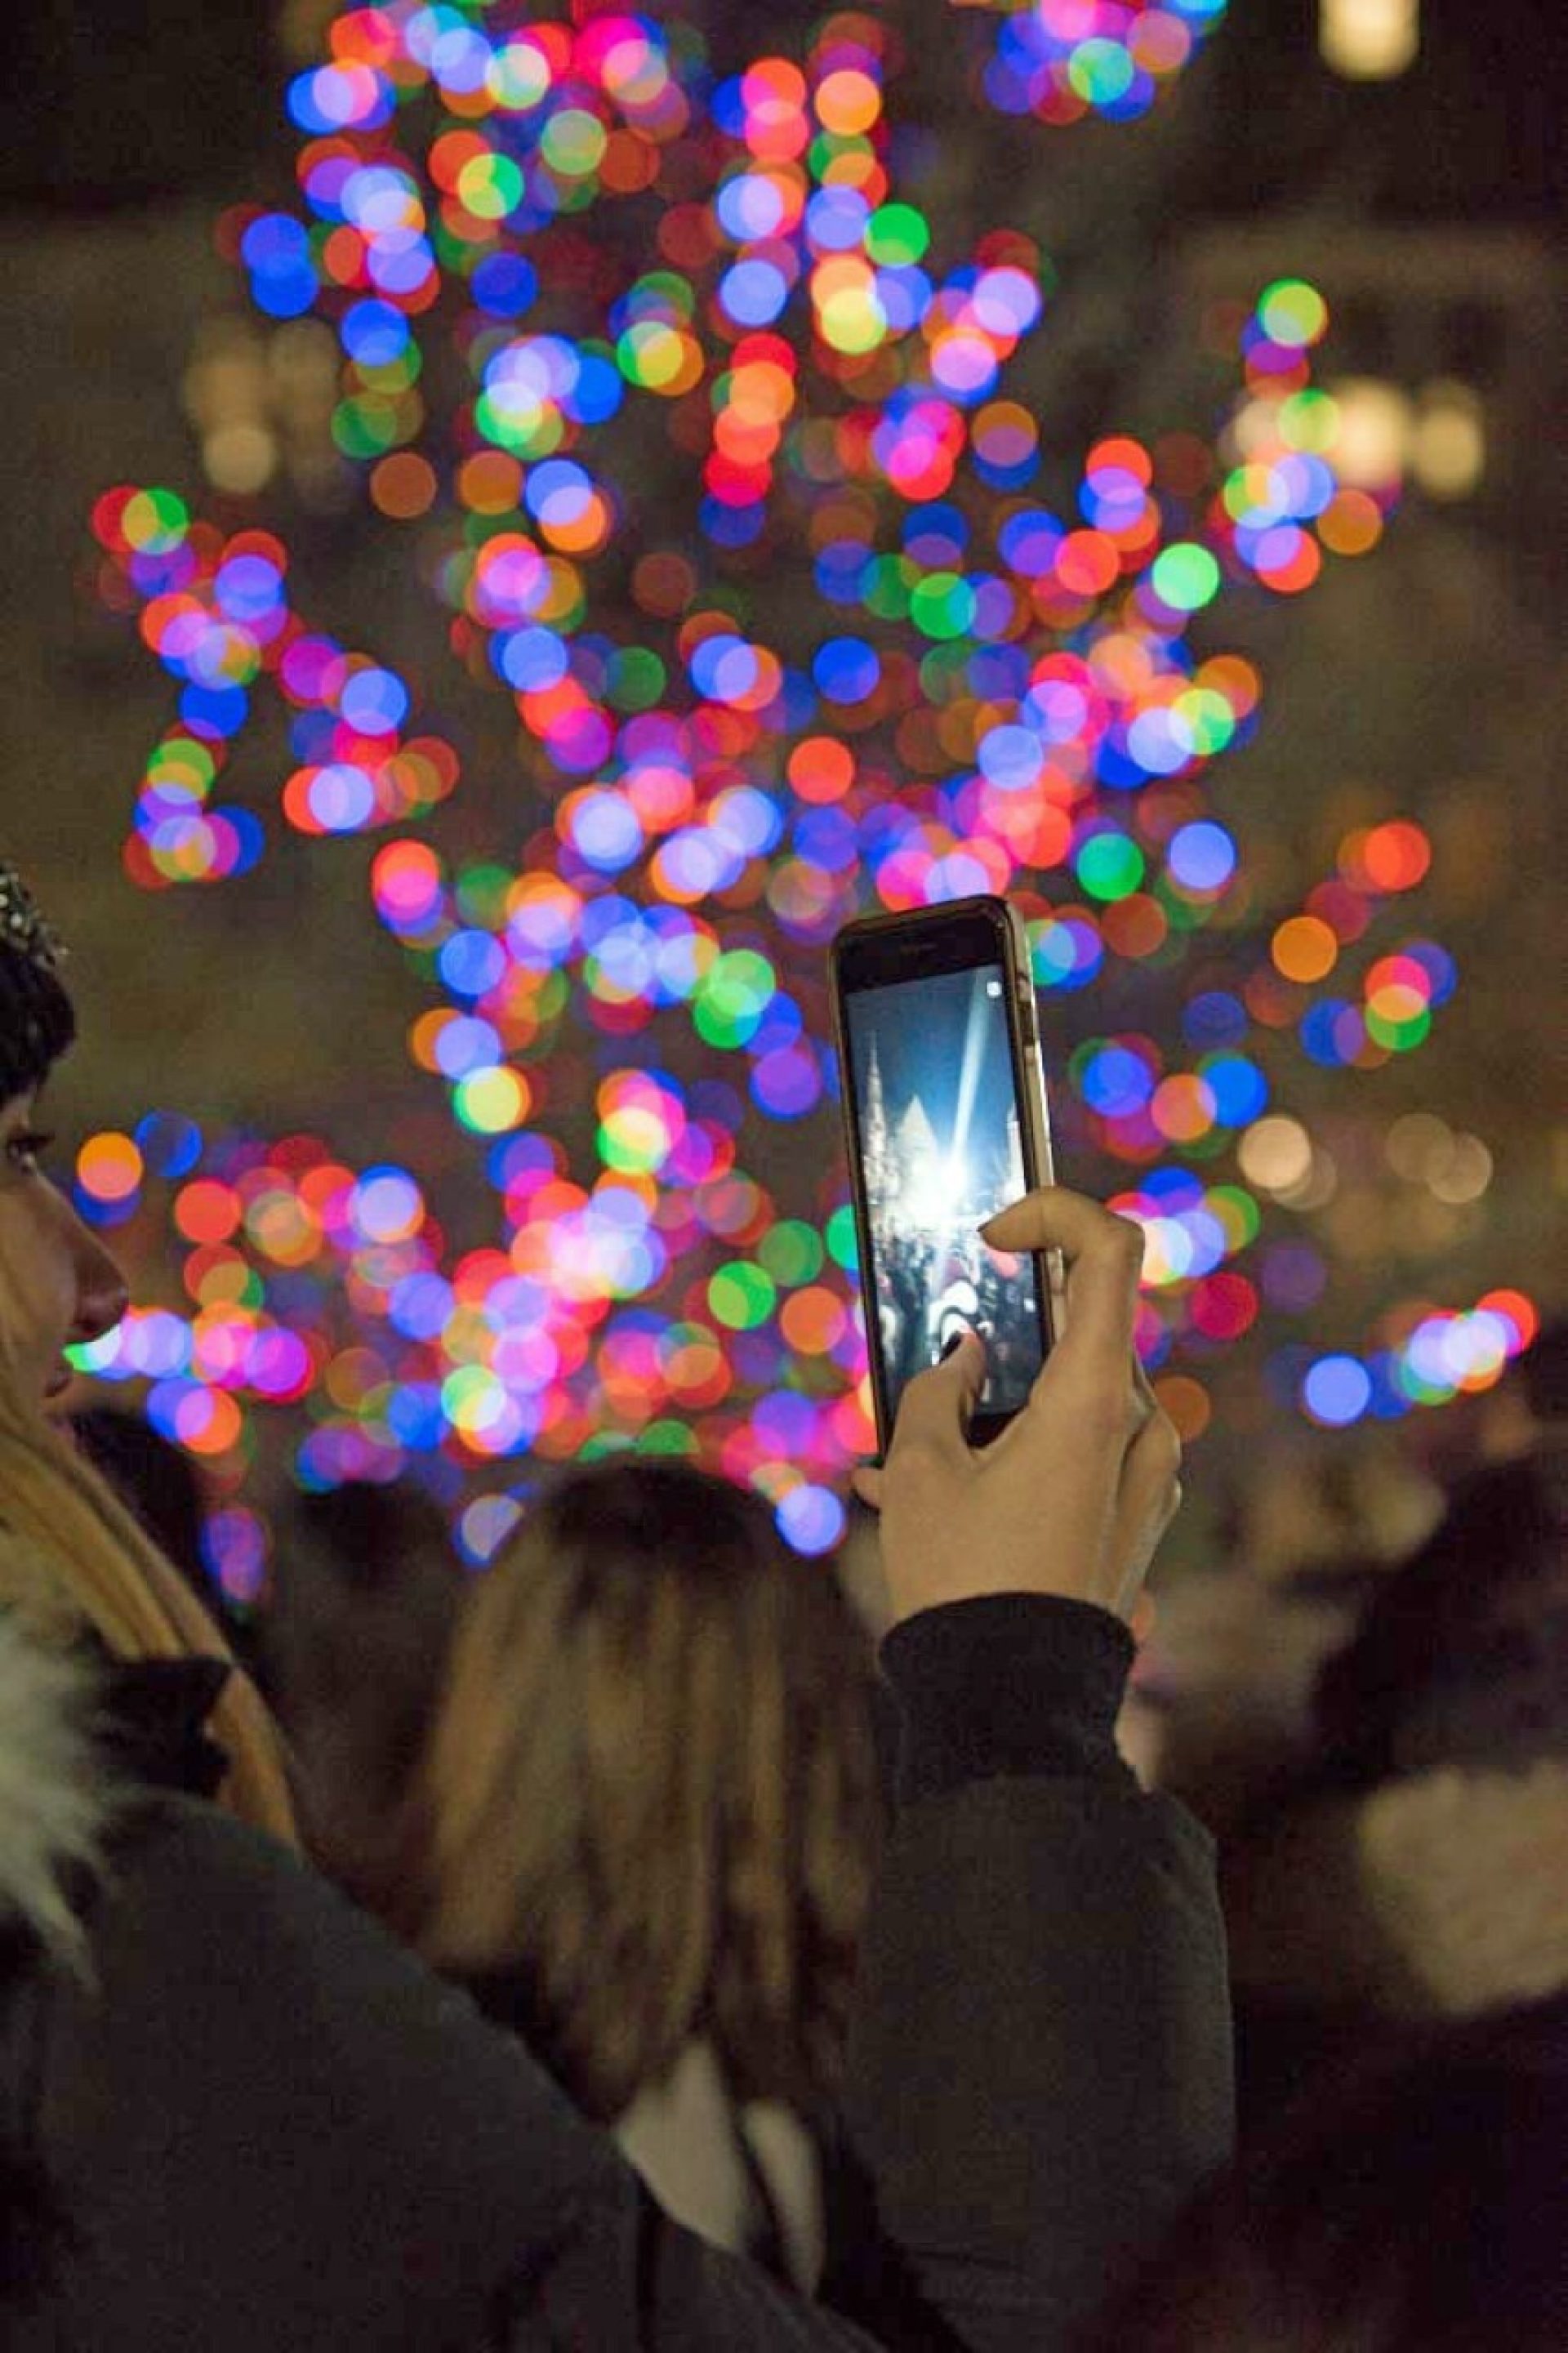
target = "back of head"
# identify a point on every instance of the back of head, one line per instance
(1413, 2206)
(650, 1789)
(1461, 1654)
(156, 1478)
(366, 1589)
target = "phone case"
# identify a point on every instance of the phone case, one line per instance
(921, 929)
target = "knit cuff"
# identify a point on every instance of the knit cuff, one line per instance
(1007, 1683)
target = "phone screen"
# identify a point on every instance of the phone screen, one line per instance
(941, 1139)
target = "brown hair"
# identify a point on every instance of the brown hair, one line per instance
(651, 1791)
(86, 1562)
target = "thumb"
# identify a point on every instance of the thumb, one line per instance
(937, 1405)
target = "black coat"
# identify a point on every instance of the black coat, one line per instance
(268, 2127)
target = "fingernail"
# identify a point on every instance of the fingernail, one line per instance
(957, 1341)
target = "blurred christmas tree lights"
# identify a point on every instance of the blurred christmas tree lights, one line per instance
(707, 443)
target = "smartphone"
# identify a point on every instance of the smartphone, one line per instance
(946, 1122)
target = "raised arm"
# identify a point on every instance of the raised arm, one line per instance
(1041, 2067)
(339, 2151)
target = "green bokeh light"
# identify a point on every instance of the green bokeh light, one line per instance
(897, 234)
(741, 1295)
(792, 1252)
(1184, 576)
(1109, 866)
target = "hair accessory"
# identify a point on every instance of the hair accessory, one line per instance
(23, 929)
(37, 1023)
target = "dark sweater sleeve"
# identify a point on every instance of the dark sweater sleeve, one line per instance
(1040, 2068)
(1006, 1683)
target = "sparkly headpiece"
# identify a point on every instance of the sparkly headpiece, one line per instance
(37, 1023)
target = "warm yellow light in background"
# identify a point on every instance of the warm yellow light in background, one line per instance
(1382, 435)
(225, 394)
(1455, 1167)
(1417, 1142)
(1369, 40)
(261, 401)
(1375, 421)
(1465, 1175)
(1449, 442)
(1276, 1154)
(240, 456)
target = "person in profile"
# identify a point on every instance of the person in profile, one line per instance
(643, 1832)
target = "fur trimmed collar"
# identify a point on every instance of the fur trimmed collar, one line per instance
(55, 1797)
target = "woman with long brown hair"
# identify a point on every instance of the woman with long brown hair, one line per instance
(646, 1820)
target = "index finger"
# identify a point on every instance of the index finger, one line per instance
(1104, 1254)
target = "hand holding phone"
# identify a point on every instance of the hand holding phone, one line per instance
(1074, 1496)
(946, 1122)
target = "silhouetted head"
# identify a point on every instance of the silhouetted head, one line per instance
(1413, 2205)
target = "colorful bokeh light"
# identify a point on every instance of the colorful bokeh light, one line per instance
(876, 666)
